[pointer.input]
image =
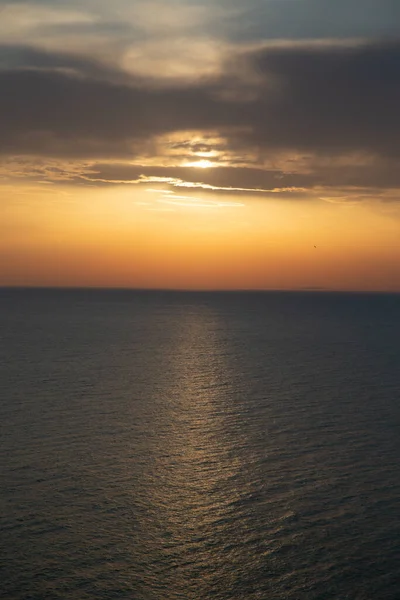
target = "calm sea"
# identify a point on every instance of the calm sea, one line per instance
(164, 446)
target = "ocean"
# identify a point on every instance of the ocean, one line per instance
(183, 445)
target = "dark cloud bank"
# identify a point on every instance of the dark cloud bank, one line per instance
(321, 99)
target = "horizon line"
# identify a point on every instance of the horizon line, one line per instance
(311, 289)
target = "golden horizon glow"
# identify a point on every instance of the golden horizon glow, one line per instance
(125, 237)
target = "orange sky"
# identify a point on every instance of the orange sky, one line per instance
(126, 236)
(200, 145)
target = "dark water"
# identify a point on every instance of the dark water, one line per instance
(199, 446)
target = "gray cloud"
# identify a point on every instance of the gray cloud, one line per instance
(13, 58)
(329, 99)
(235, 177)
(317, 19)
(381, 176)
(324, 99)
(42, 107)
(257, 20)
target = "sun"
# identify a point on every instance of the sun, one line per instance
(200, 164)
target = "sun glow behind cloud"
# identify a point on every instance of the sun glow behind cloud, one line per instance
(200, 164)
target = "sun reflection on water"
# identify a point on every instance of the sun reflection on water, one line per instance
(198, 480)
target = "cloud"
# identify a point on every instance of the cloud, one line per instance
(142, 34)
(322, 100)
(16, 57)
(315, 19)
(233, 20)
(46, 111)
(218, 177)
(327, 97)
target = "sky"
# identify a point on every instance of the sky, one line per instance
(200, 144)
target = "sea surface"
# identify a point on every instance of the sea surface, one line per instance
(164, 446)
